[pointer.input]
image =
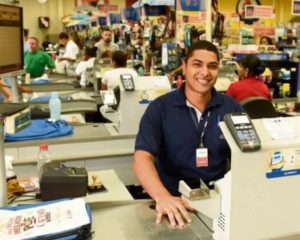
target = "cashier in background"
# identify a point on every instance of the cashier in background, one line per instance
(88, 59)
(36, 60)
(112, 78)
(67, 61)
(250, 82)
(179, 136)
(106, 46)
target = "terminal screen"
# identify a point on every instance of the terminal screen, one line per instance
(240, 119)
(11, 39)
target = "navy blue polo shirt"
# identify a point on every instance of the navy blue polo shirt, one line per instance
(168, 132)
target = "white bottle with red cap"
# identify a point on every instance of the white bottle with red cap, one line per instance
(43, 156)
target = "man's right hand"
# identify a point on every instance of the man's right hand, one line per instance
(176, 210)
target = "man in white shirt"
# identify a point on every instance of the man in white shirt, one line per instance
(111, 79)
(105, 45)
(67, 61)
(88, 59)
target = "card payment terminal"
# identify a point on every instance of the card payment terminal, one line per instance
(243, 131)
(127, 81)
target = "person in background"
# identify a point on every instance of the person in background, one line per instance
(35, 60)
(175, 127)
(111, 78)
(265, 40)
(250, 83)
(105, 45)
(25, 36)
(88, 59)
(69, 57)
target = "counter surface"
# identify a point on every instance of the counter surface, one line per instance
(136, 220)
(116, 190)
(82, 133)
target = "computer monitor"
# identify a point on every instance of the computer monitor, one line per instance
(11, 39)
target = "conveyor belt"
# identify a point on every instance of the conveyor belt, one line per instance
(70, 106)
(49, 87)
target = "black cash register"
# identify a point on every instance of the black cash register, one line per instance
(60, 181)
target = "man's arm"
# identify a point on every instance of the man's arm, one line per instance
(66, 59)
(6, 91)
(166, 204)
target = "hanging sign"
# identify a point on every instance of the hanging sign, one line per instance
(192, 5)
(131, 14)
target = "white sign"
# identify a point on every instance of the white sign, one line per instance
(259, 11)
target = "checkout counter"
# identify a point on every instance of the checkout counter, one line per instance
(258, 199)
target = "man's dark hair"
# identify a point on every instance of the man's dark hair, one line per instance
(91, 51)
(106, 29)
(120, 58)
(254, 64)
(63, 35)
(202, 45)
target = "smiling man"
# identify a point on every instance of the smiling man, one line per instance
(179, 136)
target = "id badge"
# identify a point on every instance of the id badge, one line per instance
(201, 157)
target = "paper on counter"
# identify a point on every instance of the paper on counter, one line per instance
(280, 128)
(43, 219)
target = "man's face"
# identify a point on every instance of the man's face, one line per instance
(33, 45)
(106, 36)
(201, 71)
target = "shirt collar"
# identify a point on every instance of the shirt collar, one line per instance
(180, 99)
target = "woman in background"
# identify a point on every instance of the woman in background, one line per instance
(250, 83)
